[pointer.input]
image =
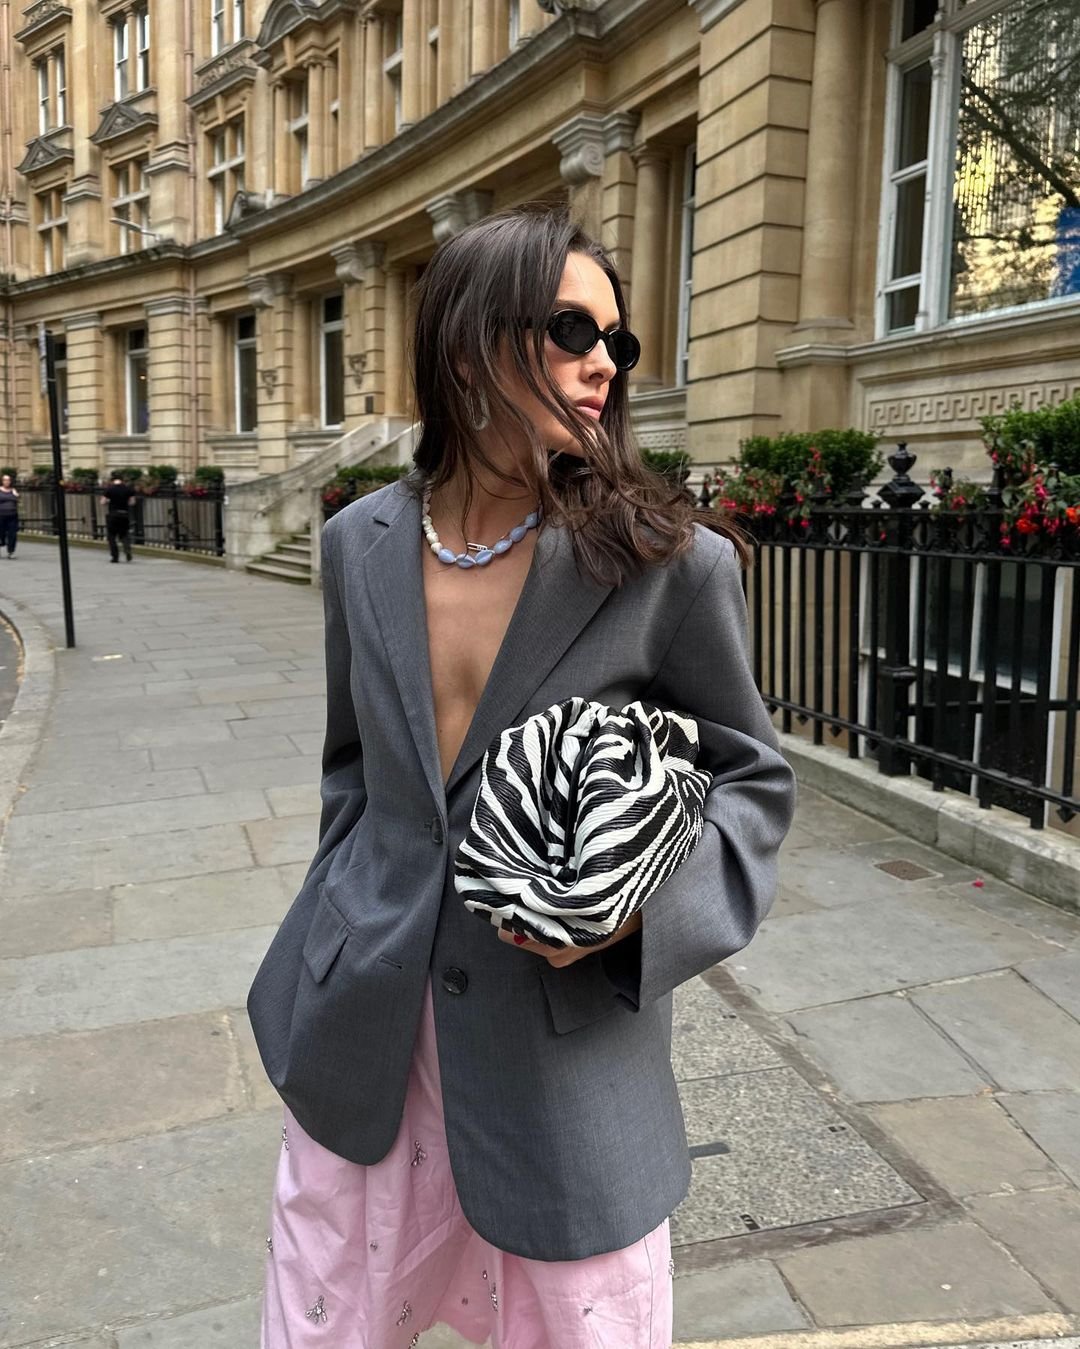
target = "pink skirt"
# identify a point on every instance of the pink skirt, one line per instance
(369, 1257)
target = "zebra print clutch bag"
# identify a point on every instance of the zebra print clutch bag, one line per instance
(583, 812)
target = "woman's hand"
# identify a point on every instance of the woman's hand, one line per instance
(561, 956)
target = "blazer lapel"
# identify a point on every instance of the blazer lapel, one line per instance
(555, 604)
(395, 587)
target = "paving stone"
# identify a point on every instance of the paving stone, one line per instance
(1022, 910)
(835, 877)
(253, 727)
(795, 962)
(971, 1147)
(311, 707)
(790, 1159)
(156, 1218)
(233, 1325)
(33, 923)
(1058, 977)
(1020, 1038)
(63, 1092)
(307, 742)
(821, 816)
(117, 985)
(229, 752)
(708, 1039)
(923, 1274)
(882, 1049)
(1052, 1119)
(260, 1093)
(160, 736)
(290, 840)
(744, 1299)
(277, 692)
(900, 847)
(118, 765)
(301, 799)
(106, 789)
(787, 903)
(297, 770)
(218, 902)
(118, 861)
(135, 818)
(1043, 1231)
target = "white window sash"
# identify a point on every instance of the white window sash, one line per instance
(142, 45)
(61, 86)
(120, 57)
(217, 26)
(43, 95)
(325, 328)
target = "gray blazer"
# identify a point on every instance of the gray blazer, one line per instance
(562, 1118)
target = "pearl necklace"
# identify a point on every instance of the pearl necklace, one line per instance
(476, 554)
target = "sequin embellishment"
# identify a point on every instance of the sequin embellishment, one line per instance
(671, 1269)
(406, 1312)
(374, 1245)
(285, 1136)
(270, 1244)
(585, 1311)
(494, 1297)
(414, 1341)
(419, 1156)
(318, 1312)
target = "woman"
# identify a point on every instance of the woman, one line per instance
(9, 514)
(481, 1131)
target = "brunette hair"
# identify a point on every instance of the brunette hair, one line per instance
(487, 295)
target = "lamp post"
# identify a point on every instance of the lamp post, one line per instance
(47, 352)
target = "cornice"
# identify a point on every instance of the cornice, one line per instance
(121, 119)
(40, 18)
(285, 16)
(54, 147)
(710, 12)
(143, 258)
(229, 68)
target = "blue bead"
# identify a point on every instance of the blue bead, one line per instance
(502, 546)
(532, 520)
(483, 557)
(518, 533)
(445, 555)
(465, 561)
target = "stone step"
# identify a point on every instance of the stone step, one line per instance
(301, 551)
(292, 573)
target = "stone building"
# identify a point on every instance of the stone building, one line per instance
(829, 212)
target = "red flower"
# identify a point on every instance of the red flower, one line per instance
(1026, 525)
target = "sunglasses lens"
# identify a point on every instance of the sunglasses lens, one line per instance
(626, 349)
(575, 333)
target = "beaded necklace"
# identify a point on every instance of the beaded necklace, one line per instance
(476, 554)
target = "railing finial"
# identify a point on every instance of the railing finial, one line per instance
(901, 491)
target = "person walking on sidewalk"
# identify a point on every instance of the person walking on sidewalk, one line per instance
(117, 499)
(9, 514)
(483, 1129)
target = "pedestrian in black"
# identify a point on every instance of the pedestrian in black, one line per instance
(9, 514)
(117, 498)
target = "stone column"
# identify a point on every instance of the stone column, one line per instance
(222, 375)
(482, 38)
(271, 296)
(649, 263)
(374, 82)
(83, 199)
(318, 115)
(279, 138)
(619, 189)
(532, 19)
(169, 330)
(350, 269)
(19, 424)
(580, 143)
(372, 256)
(831, 168)
(394, 399)
(349, 86)
(170, 202)
(414, 66)
(454, 50)
(86, 381)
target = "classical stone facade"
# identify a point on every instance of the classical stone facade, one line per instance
(218, 207)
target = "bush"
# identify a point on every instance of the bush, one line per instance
(210, 476)
(129, 475)
(42, 472)
(161, 475)
(1021, 440)
(671, 464)
(358, 480)
(84, 477)
(849, 458)
(13, 474)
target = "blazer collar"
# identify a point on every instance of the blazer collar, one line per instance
(555, 604)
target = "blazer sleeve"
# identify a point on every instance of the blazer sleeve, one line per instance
(714, 903)
(342, 788)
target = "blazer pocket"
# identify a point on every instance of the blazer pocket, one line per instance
(325, 938)
(579, 994)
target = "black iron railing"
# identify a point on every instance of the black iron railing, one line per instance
(935, 641)
(169, 518)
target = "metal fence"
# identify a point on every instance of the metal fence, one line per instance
(928, 639)
(170, 518)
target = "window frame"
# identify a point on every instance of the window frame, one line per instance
(121, 57)
(140, 17)
(133, 204)
(327, 327)
(298, 124)
(218, 38)
(58, 58)
(132, 356)
(241, 345)
(226, 175)
(51, 228)
(686, 267)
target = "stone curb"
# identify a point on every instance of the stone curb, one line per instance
(1012, 1332)
(1045, 863)
(22, 732)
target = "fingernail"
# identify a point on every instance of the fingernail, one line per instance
(519, 940)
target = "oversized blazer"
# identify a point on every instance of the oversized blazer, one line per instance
(563, 1121)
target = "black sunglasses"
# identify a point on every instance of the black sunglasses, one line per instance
(577, 332)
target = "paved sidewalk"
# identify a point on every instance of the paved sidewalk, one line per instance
(882, 1093)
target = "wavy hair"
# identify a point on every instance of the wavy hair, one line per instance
(483, 300)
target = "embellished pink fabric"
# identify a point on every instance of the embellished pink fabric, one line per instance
(369, 1257)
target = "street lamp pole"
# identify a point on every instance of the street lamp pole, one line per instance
(47, 351)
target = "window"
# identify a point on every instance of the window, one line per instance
(333, 147)
(142, 46)
(686, 267)
(51, 230)
(120, 57)
(297, 127)
(246, 373)
(51, 90)
(515, 23)
(61, 370)
(239, 20)
(131, 204)
(217, 26)
(227, 23)
(332, 360)
(982, 207)
(394, 39)
(226, 171)
(136, 369)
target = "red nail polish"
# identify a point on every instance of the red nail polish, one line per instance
(519, 940)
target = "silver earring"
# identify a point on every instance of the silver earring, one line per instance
(479, 412)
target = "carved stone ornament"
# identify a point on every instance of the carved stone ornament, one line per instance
(120, 119)
(269, 378)
(348, 263)
(39, 15)
(263, 287)
(357, 361)
(580, 142)
(42, 152)
(237, 58)
(451, 212)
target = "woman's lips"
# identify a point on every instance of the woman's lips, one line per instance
(590, 411)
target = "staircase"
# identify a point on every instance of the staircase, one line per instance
(290, 561)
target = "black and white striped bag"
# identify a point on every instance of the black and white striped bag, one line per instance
(583, 812)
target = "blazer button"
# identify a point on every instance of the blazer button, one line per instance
(437, 834)
(455, 980)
